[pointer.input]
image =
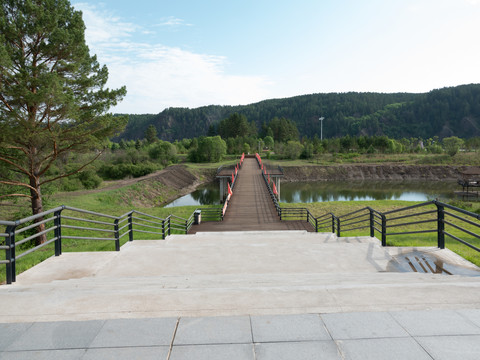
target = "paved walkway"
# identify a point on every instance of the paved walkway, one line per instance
(417, 335)
(251, 207)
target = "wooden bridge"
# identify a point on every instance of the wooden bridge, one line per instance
(250, 207)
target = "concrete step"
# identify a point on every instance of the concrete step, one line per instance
(230, 274)
(234, 294)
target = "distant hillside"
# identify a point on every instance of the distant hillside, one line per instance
(453, 111)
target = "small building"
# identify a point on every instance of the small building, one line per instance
(470, 178)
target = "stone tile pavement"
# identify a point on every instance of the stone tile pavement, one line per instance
(434, 334)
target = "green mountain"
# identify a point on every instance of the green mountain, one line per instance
(453, 111)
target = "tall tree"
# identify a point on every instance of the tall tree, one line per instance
(236, 125)
(151, 134)
(53, 98)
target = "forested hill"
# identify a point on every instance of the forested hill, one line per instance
(453, 111)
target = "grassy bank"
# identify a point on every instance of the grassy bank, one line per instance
(460, 159)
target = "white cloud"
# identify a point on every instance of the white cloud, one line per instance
(173, 21)
(102, 27)
(158, 76)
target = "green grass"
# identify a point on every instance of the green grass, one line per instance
(230, 160)
(464, 159)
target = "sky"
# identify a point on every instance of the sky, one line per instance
(191, 53)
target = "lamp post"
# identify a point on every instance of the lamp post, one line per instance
(321, 127)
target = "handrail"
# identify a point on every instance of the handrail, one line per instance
(352, 221)
(344, 223)
(58, 225)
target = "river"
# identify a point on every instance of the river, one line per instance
(321, 191)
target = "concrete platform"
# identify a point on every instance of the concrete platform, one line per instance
(361, 335)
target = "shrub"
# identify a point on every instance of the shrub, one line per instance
(90, 179)
(121, 171)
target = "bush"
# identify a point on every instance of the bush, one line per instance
(435, 149)
(90, 179)
(164, 152)
(293, 149)
(210, 149)
(121, 171)
(71, 183)
(452, 145)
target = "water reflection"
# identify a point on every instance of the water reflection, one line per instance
(208, 194)
(306, 192)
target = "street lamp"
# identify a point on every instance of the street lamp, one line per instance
(321, 127)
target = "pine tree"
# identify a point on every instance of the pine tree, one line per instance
(53, 98)
(151, 134)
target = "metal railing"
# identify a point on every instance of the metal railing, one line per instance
(444, 220)
(272, 195)
(69, 223)
(438, 217)
(299, 214)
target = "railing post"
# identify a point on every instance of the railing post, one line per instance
(384, 230)
(117, 236)
(372, 223)
(338, 227)
(169, 225)
(333, 223)
(10, 253)
(316, 225)
(163, 229)
(130, 227)
(440, 225)
(57, 222)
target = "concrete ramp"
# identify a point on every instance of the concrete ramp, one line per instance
(234, 273)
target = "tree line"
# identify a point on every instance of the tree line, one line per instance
(452, 111)
(278, 139)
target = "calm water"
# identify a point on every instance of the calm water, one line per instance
(305, 192)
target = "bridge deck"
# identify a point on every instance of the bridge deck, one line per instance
(250, 207)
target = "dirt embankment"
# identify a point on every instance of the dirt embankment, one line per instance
(167, 185)
(156, 189)
(372, 172)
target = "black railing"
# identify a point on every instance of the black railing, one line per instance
(68, 223)
(444, 220)
(302, 214)
(272, 195)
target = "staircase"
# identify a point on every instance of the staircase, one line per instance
(233, 273)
